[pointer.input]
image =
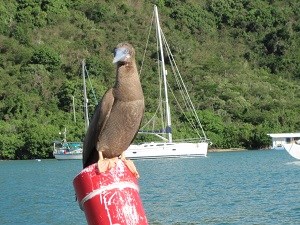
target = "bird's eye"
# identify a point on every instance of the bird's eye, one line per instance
(126, 51)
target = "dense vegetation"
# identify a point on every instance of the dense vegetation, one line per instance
(240, 59)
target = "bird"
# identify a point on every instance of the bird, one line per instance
(117, 117)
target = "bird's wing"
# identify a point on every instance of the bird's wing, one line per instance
(138, 127)
(100, 117)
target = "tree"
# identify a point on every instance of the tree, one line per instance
(46, 56)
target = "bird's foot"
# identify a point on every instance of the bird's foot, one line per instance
(130, 166)
(106, 164)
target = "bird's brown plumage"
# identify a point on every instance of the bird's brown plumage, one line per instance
(118, 116)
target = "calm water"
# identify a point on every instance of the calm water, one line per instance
(251, 187)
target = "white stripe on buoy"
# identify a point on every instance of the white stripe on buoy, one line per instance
(117, 185)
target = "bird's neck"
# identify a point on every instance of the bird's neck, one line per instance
(128, 80)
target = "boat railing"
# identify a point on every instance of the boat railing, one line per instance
(192, 140)
(70, 146)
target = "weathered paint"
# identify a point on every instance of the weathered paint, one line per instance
(111, 197)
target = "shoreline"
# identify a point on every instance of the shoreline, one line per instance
(235, 149)
(226, 149)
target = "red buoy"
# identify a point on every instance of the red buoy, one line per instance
(111, 197)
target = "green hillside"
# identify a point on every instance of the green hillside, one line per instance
(240, 60)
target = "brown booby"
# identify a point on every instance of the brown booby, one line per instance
(117, 117)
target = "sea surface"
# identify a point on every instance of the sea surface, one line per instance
(247, 187)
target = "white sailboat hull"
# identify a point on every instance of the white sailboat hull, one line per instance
(66, 156)
(153, 151)
(293, 149)
(166, 150)
(67, 150)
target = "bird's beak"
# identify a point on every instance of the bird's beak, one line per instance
(121, 54)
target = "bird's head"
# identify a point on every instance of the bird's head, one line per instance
(124, 52)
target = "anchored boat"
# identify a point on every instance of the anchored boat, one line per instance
(168, 147)
(287, 141)
(63, 150)
(67, 150)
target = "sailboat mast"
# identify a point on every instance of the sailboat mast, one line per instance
(85, 99)
(74, 111)
(164, 73)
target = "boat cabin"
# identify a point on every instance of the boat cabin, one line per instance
(283, 138)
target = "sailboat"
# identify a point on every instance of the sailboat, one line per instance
(64, 150)
(167, 147)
